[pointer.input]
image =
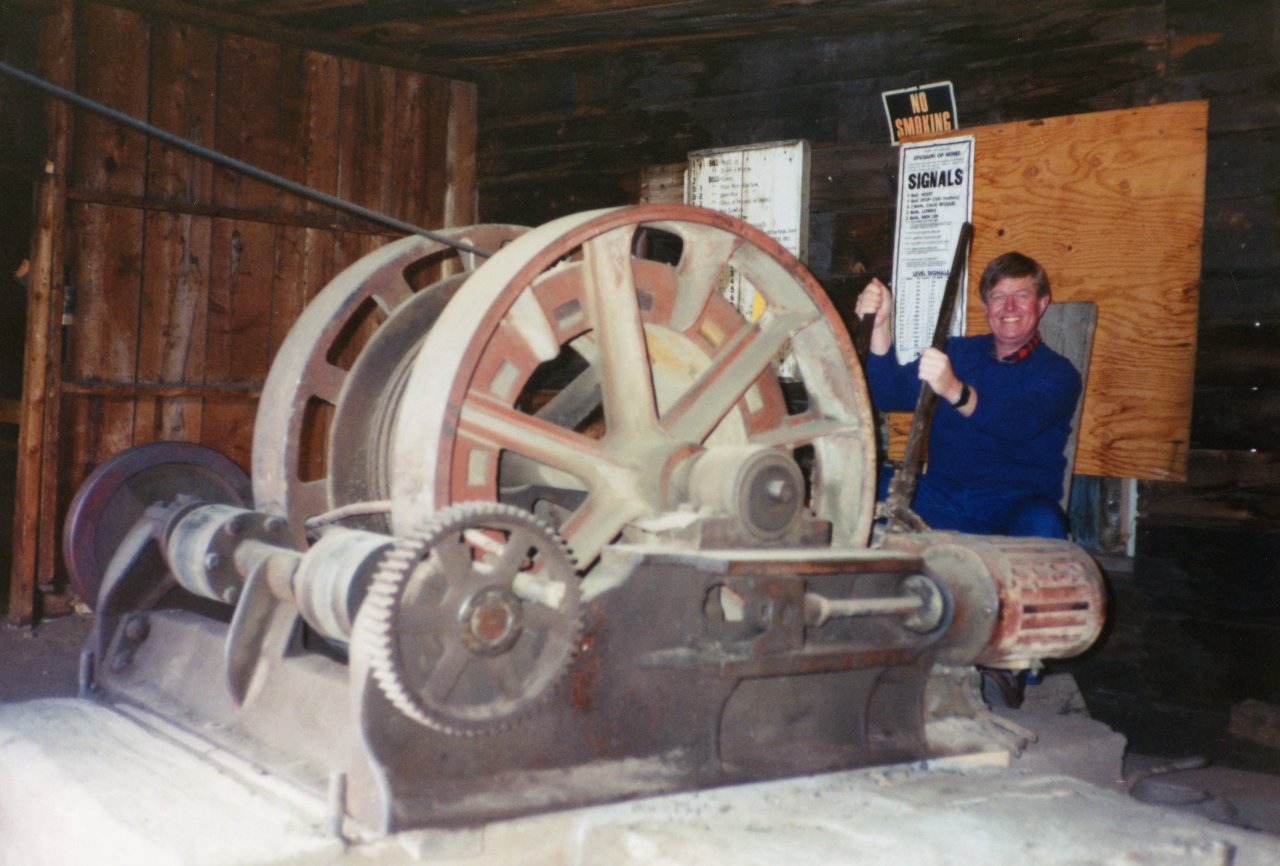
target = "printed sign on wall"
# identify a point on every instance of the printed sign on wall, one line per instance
(935, 197)
(766, 185)
(921, 110)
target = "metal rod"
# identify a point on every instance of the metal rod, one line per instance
(160, 389)
(235, 164)
(354, 509)
(896, 507)
(818, 608)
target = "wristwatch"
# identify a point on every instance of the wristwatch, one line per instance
(965, 393)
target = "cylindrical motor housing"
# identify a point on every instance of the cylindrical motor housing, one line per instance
(1018, 600)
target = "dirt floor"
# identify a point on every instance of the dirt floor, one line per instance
(42, 662)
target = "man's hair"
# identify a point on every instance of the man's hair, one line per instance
(1013, 265)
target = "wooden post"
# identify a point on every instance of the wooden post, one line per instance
(35, 506)
(26, 521)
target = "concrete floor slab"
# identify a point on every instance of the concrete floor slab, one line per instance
(81, 782)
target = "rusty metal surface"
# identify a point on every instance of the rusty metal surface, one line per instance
(704, 694)
(1051, 599)
(691, 699)
(470, 624)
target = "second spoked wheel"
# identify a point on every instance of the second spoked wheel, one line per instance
(323, 422)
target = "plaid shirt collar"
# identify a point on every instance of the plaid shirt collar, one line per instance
(1021, 354)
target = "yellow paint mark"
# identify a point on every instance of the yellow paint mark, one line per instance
(711, 332)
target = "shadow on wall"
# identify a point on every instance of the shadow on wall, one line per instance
(8, 478)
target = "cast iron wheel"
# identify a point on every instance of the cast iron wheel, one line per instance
(674, 368)
(118, 491)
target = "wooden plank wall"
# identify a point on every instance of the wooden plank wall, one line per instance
(562, 137)
(186, 277)
(20, 160)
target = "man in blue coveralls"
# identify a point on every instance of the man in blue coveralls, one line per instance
(996, 448)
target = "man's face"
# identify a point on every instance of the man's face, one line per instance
(1013, 312)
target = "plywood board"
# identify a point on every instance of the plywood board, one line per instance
(1112, 204)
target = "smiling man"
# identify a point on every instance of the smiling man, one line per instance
(1006, 400)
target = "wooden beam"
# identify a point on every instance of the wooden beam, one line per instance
(460, 157)
(36, 487)
(22, 580)
(58, 60)
(248, 25)
(270, 215)
(130, 390)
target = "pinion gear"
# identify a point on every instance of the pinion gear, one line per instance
(470, 624)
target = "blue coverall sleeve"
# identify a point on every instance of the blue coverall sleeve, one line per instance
(1047, 399)
(894, 387)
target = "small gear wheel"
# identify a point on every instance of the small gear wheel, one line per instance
(470, 624)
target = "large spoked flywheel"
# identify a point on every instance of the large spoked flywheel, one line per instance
(581, 368)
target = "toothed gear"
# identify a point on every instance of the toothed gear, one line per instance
(471, 623)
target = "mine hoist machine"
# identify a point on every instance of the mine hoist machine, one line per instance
(555, 532)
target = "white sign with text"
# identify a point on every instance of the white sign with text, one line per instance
(935, 197)
(766, 185)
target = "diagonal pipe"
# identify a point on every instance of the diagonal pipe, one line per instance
(235, 164)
